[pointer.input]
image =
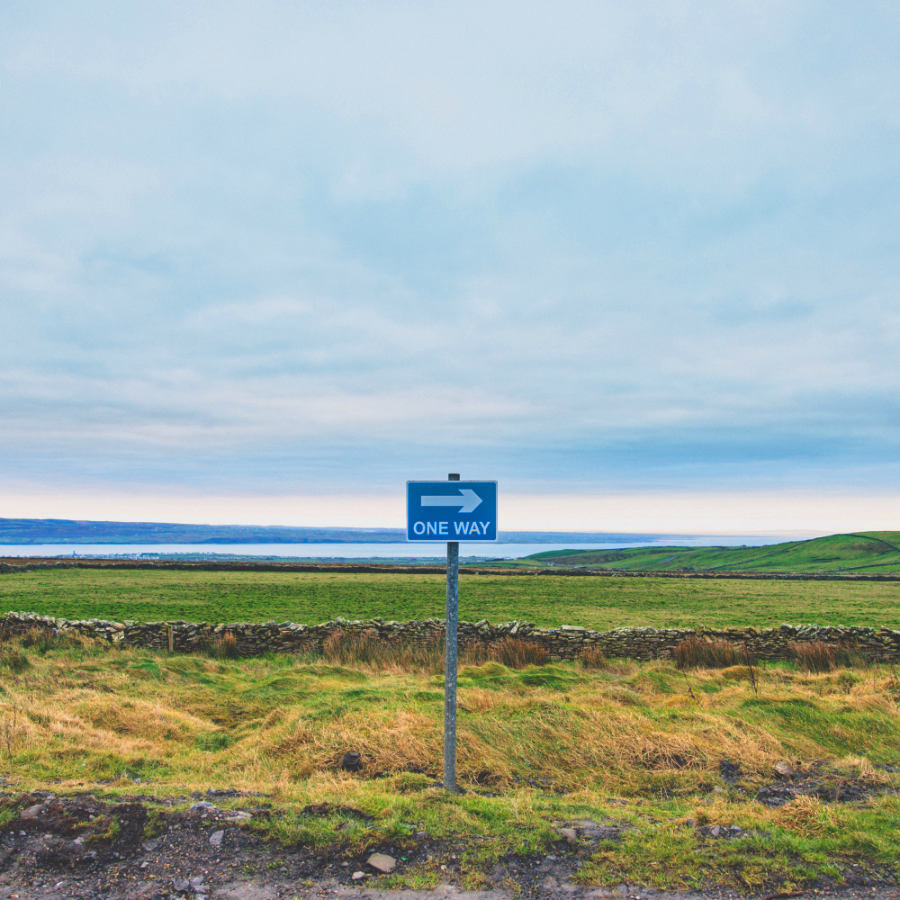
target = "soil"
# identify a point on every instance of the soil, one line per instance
(820, 781)
(82, 846)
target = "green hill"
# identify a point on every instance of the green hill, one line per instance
(874, 552)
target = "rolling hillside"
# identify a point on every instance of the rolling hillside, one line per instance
(874, 552)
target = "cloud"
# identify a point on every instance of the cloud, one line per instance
(490, 84)
(599, 244)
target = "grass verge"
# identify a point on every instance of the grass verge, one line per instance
(667, 777)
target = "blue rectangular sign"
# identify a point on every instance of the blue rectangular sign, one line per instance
(451, 510)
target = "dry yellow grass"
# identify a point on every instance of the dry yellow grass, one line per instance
(639, 744)
(258, 721)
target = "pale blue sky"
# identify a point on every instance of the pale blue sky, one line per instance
(311, 250)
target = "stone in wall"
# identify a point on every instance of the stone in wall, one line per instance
(565, 642)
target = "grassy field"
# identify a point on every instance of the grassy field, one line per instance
(868, 553)
(659, 757)
(638, 747)
(310, 597)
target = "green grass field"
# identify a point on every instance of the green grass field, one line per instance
(638, 746)
(868, 553)
(547, 600)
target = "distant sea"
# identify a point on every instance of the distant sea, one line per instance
(359, 551)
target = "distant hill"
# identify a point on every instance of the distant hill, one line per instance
(873, 552)
(72, 531)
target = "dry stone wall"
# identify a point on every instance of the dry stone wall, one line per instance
(566, 642)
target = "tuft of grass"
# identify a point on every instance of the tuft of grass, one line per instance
(808, 816)
(592, 658)
(368, 649)
(39, 640)
(13, 658)
(225, 647)
(108, 835)
(819, 656)
(696, 652)
(517, 654)
(154, 824)
(7, 814)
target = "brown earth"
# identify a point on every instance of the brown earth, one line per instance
(82, 846)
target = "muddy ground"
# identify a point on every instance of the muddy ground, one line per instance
(141, 848)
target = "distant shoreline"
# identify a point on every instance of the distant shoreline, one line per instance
(75, 532)
(12, 565)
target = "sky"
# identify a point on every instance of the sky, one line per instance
(264, 262)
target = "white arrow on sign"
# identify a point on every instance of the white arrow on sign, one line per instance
(467, 501)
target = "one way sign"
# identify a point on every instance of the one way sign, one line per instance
(451, 510)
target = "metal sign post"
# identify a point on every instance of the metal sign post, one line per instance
(436, 511)
(450, 661)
